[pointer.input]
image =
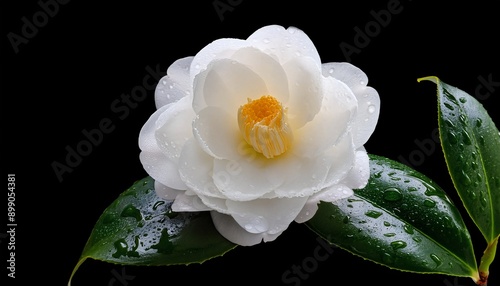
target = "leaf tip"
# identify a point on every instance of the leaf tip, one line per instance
(434, 79)
(80, 262)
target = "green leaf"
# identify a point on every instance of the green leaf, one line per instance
(471, 145)
(402, 220)
(139, 228)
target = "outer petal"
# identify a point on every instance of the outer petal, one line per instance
(358, 177)
(173, 128)
(147, 139)
(368, 98)
(342, 160)
(154, 161)
(330, 194)
(330, 124)
(217, 133)
(284, 44)
(227, 84)
(187, 203)
(266, 215)
(165, 192)
(232, 231)
(176, 84)
(306, 90)
(162, 169)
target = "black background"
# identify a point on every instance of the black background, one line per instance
(66, 77)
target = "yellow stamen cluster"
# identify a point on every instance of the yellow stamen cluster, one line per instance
(263, 124)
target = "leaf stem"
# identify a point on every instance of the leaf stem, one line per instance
(486, 260)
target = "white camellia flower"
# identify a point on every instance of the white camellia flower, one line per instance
(257, 132)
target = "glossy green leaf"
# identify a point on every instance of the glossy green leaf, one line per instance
(471, 145)
(402, 220)
(139, 228)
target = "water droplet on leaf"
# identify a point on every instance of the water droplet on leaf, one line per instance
(398, 244)
(121, 248)
(373, 213)
(131, 211)
(392, 195)
(429, 203)
(449, 106)
(158, 204)
(346, 219)
(436, 259)
(408, 229)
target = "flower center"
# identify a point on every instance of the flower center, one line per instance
(263, 124)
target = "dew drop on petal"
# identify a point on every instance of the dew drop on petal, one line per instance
(371, 108)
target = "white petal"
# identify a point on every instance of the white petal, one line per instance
(154, 161)
(162, 169)
(176, 84)
(329, 194)
(218, 49)
(330, 124)
(243, 179)
(307, 212)
(227, 84)
(358, 177)
(266, 215)
(196, 168)
(186, 203)
(233, 232)
(304, 176)
(216, 204)
(368, 98)
(268, 68)
(342, 159)
(284, 44)
(217, 132)
(165, 192)
(174, 128)
(305, 83)
(147, 139)
(333, 193)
